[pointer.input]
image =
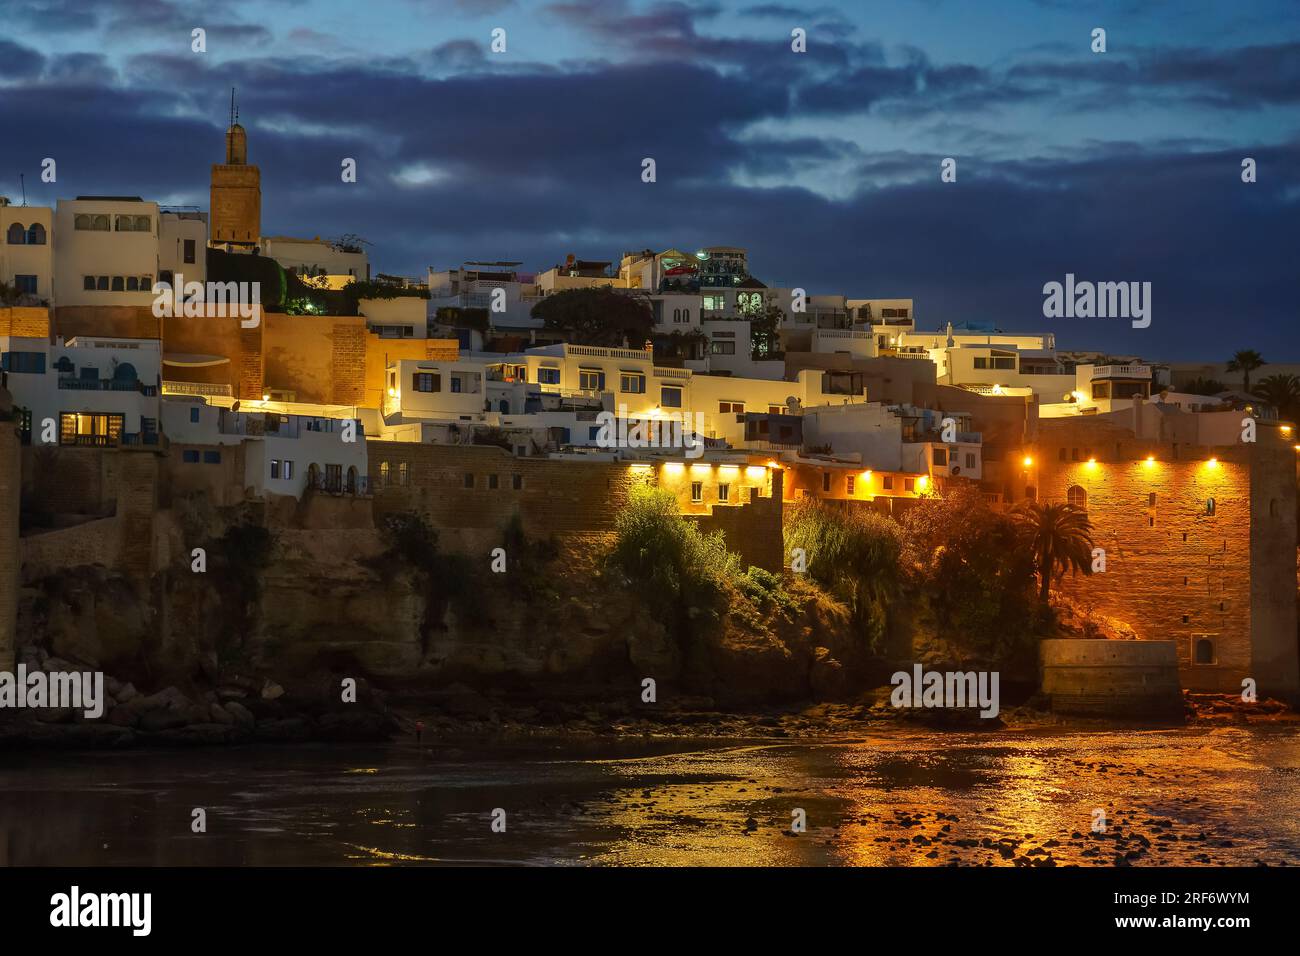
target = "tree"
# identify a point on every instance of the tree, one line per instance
(600, 317)
(1245, 362)
(1204, 386)
(9, 294)
(765, 334)
(1282, 391)
(1059, 536)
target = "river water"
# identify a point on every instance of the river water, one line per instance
(1227, 795)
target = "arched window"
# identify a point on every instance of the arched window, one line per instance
(1077, 497)
(1209, 506)
(101, 284)
(36, 235)
(383, 471)
(1204, 650)
(88, 283)
(16, 236)
(118, 284)
(132, 284)
(1031, 493)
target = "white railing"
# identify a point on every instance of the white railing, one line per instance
(606, 353)
(842, 334)
(1122, 371)
(195, 388)
(671, 372)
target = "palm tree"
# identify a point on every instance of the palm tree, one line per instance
(1282, 391)
(1245, 362)
(1060, 538)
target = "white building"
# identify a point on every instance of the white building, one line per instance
(26, 250)
(85, 391)
(338, 262)
(105, 251)
(284, 454)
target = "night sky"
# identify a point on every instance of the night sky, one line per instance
(825, 165)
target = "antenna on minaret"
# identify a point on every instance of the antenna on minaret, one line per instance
(234, 115)
(22, 179)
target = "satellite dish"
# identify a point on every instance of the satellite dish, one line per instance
(956, 469)
(792, 403)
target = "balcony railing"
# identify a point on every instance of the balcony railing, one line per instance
(196, 388)
(1121, 371)
(340, 486)
(106, 385)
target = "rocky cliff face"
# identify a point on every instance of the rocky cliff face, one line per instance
(328, 603)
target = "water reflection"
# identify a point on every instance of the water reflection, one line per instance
(900, 798)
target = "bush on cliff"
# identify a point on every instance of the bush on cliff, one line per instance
(854, 554)
(973, 572)
(444, 579)
(682, 571)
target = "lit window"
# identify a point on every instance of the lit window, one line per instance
(697, 492)
(724, 492)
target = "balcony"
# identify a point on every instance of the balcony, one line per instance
(1122, 371)
(196, 388)
(107, 385)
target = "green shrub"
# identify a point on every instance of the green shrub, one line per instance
(851, 552)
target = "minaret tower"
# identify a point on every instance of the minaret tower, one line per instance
(236, 200)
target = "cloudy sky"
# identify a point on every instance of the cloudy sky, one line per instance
(825, 165)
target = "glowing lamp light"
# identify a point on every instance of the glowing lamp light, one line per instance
(674, 467)
(1092, 462)
(698, 467)
(1029, 461)
(755, 472)
(392, 393)
(1297, 447)
(923, 482)
(1212, 463)
(1151, 460)
(266, 398)
(1286, 429)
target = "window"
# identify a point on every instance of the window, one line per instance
(494, 482)
(275, 468)
(101, 284)
(383, 471)
(402, 472)
(670, 396)
(190, 456)
(426, 382)
(591, 379)
(849, 484)
(287, 470)
(212, 458)
(25, 284)
(775, 409)
(132, 284)
(28, 362)
(631, 382)
(88, 283)
(134, 224)
(36, 234)
(697, 492)
(119, 284)
(970, 459)
(88, 428)
(1061, 454)
(727, 408)
(92, 222)
(189, 250)
(722, 348)
(16, 235)
(457, 383)
(194, 415)
(517, 482)
(1031, 493)
(724, 492)
(826, 481)
(548, 376)
(887, 482)
(1077, 497)
(939, 456)
(1209, 506)
(469, 480)
(1202, 649)
(909, 484)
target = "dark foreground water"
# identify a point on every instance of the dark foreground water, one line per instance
(1222, 796)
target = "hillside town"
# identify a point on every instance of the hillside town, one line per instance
(155, 354)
